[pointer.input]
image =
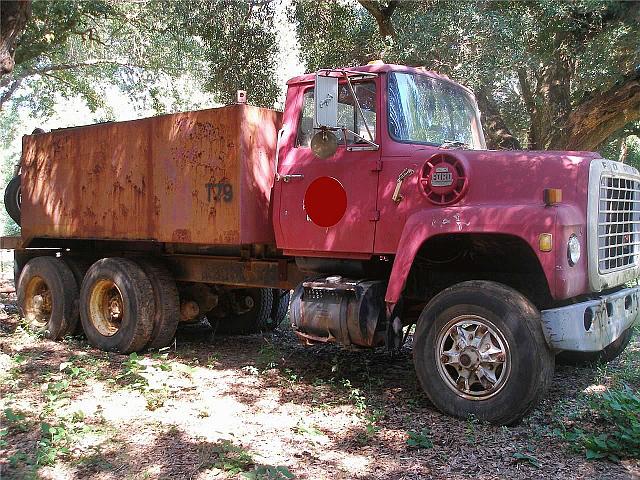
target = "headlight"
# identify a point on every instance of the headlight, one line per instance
(573, 250)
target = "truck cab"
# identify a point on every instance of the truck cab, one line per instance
(384, 183)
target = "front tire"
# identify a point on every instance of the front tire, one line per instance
(117, 306)
(479, 350)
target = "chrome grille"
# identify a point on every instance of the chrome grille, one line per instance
(618, 223)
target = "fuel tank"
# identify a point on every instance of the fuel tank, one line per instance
(338, 310)
(201, 177)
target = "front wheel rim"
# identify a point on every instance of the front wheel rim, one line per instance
(106, 307)
(473, 357)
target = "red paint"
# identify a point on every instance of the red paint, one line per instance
(501, 193)
(325, 201)
(353, 235)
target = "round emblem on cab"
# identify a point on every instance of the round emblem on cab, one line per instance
(443, 179)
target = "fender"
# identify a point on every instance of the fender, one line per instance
(526, 222)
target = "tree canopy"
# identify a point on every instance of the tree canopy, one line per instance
(547, 75)
(74, 48)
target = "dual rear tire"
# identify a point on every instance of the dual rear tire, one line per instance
(123, 305)
(267, 310)
(117, 305)
(48, 296)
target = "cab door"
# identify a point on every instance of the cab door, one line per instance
(328, 206)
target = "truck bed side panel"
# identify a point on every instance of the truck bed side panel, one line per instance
(199, 177)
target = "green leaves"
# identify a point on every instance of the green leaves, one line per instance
(421, 439)
(531, 460)
(149, 50)
(618, 411)
(536, 60)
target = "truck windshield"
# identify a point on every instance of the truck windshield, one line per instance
(423, 109)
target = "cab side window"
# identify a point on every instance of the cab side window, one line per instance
(305, 125)
(348, 115)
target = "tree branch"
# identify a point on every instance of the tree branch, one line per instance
(382, 15)
(593, 121)
(10, 91)
(30, 72)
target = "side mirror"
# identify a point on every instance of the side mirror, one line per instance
(324, 144)
(326, 101)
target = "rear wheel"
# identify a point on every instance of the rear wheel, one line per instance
(479, 350)
(167, 303)
(250, 311)
(610, 352)
(48, 296)
(281, 300)
(78, 267)
(13, 199)
(117, 305)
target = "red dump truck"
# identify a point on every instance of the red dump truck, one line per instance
(372, 197)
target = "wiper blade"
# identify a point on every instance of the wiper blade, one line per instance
(454, 144)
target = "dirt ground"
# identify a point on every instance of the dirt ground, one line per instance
(263, 406)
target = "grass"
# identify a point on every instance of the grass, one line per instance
(42, 429)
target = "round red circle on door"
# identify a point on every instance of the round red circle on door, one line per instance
(325, 201)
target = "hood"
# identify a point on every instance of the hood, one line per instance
(520, 177)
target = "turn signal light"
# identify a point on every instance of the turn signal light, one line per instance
(545, 242)
(552, 196)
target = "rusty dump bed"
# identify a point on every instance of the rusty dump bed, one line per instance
(200, 177)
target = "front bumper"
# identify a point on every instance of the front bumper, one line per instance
(592, 325)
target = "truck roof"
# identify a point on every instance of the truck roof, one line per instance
(380, 67)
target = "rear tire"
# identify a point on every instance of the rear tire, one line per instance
(117, 305)
(13, 199)
(607, 354)
(254, 320)
(491, 335)
(281, 300)
(167, 303)
(78, 267)
(48, 296)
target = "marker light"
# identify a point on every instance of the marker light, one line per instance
(545, 242)
(552, 196)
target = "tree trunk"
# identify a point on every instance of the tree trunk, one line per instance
(551, 106)
(624, 150)
(382, 15)
(593, 121)
(13, 19)
(499, 137)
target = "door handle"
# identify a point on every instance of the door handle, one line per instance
(293, 176)
(397, 196)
